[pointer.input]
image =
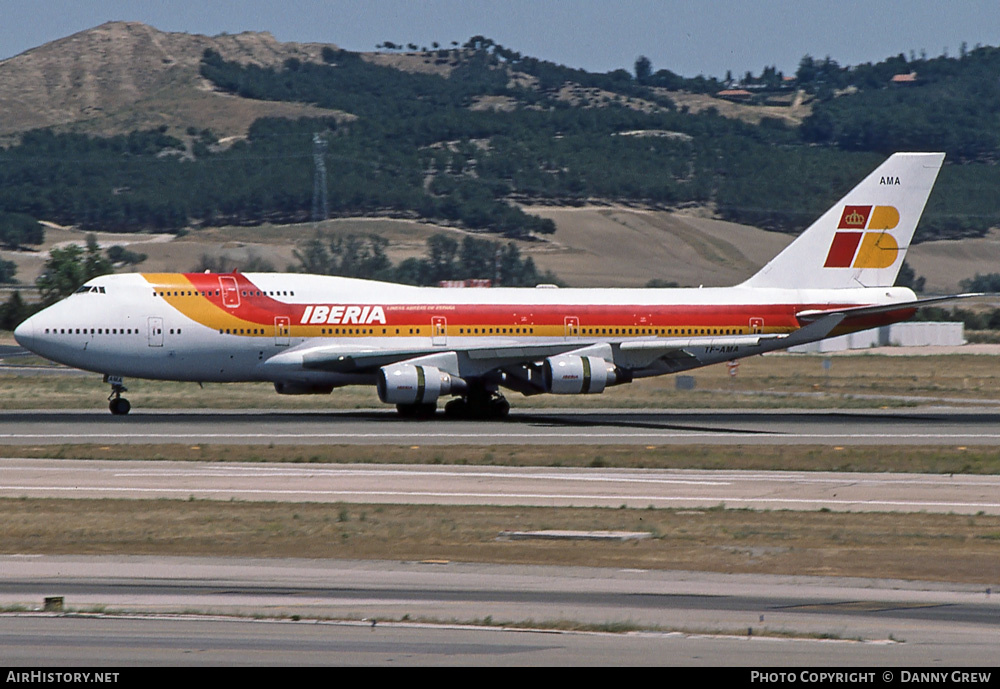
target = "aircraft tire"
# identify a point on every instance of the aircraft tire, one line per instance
(500, 408)
(119, 406)
(496, 408)
(456, 409)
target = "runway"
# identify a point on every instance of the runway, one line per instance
(496, 485)
(716, 619)
(897, 623)
(926, 426)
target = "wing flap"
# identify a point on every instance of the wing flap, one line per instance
(680, 354)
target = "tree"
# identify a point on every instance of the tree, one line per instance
(442, 251)
(69, 267)
(17, 229)
(253, 263)
(94, 262)
(119, 255)
(8, 269)
(908, 278)
(13, 312)
(981, 283)
(643, 69)
(313, 257)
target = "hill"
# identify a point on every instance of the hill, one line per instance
(124, 128)
(125, 76)
(654, 245)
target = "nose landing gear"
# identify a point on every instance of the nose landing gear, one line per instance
(118, 405)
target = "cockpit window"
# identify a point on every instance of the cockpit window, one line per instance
(91, 288)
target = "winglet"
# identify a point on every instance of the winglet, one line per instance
(861, 241)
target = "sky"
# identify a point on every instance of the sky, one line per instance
(692, 37)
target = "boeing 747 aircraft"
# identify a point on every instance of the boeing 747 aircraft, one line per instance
(309, 334)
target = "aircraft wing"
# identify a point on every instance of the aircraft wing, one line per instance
(679, 354)
(347, 359)
(663, 355)
(366, 361)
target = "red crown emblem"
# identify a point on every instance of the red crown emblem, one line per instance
(854, 218)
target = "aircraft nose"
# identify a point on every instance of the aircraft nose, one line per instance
(25, 333)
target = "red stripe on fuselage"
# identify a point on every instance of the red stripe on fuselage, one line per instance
(257, 307)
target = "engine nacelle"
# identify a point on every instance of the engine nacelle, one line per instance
(409, 384)
(567, 374)
(296, 388)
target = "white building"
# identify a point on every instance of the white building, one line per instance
(916, 334)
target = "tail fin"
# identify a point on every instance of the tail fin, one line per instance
(862, 240)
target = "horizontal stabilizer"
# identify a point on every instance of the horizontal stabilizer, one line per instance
(854, 311)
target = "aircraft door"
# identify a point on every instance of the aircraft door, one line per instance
(155, 331)
(230, 291)
(282, 331)
(572, 327)
(439, 331)
(756, 325)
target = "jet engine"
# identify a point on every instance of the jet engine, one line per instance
(409, 384)
(567, 374)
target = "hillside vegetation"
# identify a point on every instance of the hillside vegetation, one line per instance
(492, 130)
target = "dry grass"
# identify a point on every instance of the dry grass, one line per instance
(762, 382)
(919, 546)
(653, 244)
(909, 459)
(696, 102)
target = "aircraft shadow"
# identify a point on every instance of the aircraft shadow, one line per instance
(742, 422)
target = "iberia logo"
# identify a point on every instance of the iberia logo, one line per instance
(875, 248)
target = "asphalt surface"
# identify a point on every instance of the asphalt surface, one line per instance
(925, 426)
(715, 619)
(722, 620)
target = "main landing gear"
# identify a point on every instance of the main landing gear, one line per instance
(478, 404)
(118, 405)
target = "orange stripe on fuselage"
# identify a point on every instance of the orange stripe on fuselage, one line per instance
(199, 297)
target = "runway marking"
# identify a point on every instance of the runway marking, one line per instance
(723, 478)
(714, 500)
(602, 478)
(407, 437)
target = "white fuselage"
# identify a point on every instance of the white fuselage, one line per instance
(180, 327)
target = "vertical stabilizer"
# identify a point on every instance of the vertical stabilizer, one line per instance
(862, 240)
